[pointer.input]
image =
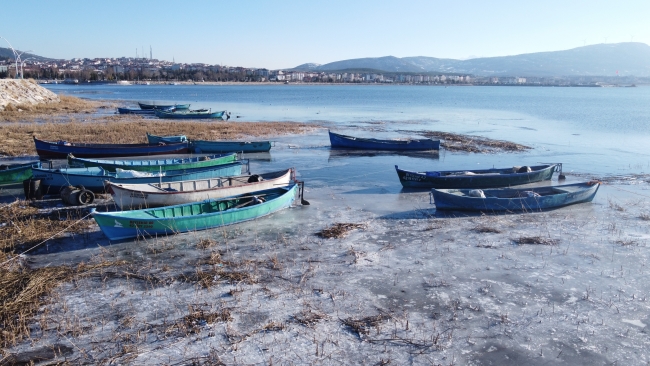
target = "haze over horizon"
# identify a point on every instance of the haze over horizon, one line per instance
(285, 34)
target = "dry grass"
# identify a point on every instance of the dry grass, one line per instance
(23, 227)
(469, 143)
(538, 240)
(22, 293)
(30, 113)
(132, 129)
(339, 230)
(362, 326)
(487, 229)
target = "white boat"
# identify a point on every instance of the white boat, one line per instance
(138, 196)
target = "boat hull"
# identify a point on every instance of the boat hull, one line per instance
(135, 111)
(16, 173)
(52, 180)
(53, 150)
(563, 195)
(190, 217)
(203, 146)
(132, 196)
(166, 106)
(155, 165)
(153, 139)
(188, 115)
(488, 178)
(350, 142)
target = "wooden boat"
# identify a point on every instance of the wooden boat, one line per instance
(16, 173)
(153, 139)
(52, 180)
(155, 165)
(188, 114)
(205, 146)
(485, 178)
(61, 149)
(194, 216)
(511, 199)
(136, 111)
(163, 106)
(136, 196)
(349, 142)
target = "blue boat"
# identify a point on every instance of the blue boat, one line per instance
(163, 106)
(93, 178)
(349, 142)
(477, 178)
(514, 199)
(61, 149)
(188, 114)
(205, 146)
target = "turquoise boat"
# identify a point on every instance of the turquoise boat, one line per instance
(205, 146)
(93, 178)
(194, 216)
(153, 139)
(16, 173)
(154, 165)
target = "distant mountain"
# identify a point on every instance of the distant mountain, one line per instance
(629, 58)
(7, 53)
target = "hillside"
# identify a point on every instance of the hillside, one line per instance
(7, 53)
(630, 58)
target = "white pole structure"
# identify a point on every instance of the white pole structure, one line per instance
(16, 56)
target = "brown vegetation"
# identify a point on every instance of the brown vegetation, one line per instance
(339, 230)
(132, 129)
(469, 143)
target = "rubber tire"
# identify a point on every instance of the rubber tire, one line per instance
(85, 197)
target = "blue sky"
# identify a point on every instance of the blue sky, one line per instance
(283, 34)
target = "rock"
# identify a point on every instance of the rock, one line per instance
(19, 92)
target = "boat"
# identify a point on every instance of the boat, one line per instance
(205, 146)
(514, 199)
(155, 165)
(153, 139)
(136, 111)
(194, 216)
(194, 114)
(61, 149)
(16, 173)
(350, 142)
(93, 178)
(163, 106)
(136, 196)
(484, 178)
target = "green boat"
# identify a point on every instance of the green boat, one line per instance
(154, 165)
(194, 216)
(16, 173)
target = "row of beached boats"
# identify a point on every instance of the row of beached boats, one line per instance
(159, 196)
(484, 190)
(172, 111)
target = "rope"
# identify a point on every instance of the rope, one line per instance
(43, 242)
(621, 189)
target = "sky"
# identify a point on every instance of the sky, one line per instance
(284, 34)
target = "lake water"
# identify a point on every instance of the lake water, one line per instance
(602, 131)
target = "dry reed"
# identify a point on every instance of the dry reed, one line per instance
(23, 291)
(469, 143)
(539, 240)
(31, 113)
(339, 230)
(132, 129)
